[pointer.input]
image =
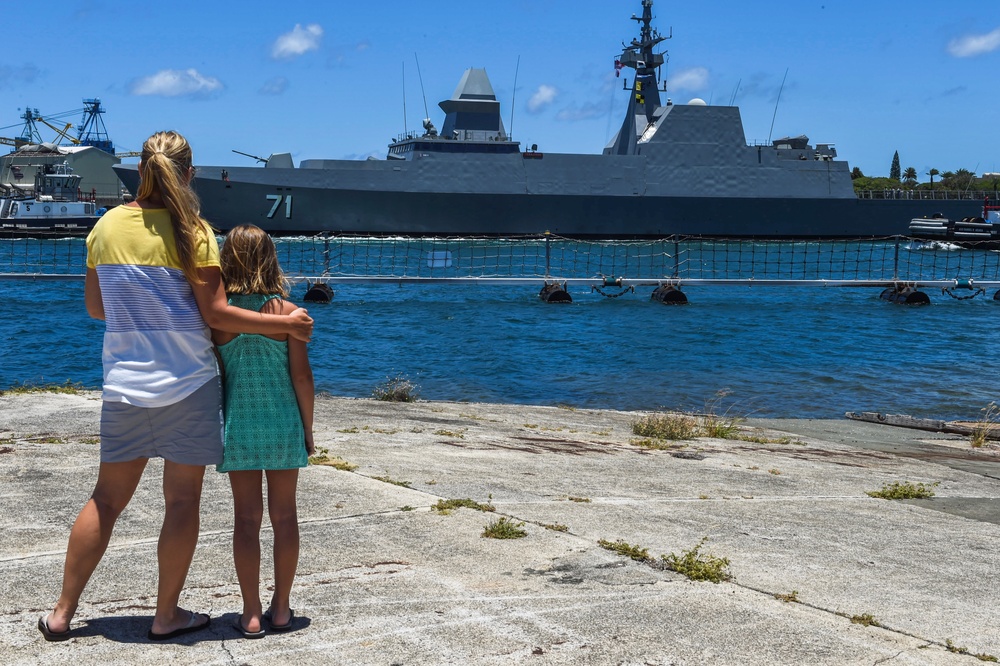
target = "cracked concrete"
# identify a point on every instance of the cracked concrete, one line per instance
(384, 579)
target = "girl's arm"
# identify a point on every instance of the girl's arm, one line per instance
(92, 295)
(302, 382)
(218, 314)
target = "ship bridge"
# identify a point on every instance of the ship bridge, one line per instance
(472, 124)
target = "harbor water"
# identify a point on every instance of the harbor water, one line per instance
(761, 351)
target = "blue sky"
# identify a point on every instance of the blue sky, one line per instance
(330, 80)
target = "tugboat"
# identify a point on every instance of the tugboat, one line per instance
(982, 233)
(54, 210)
(673, 169)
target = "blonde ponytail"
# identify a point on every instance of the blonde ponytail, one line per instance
(166, 161)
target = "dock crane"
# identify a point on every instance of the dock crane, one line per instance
(90, 132)
(60, 132)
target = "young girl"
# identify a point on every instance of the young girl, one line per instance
(269, 419)
(153, 275)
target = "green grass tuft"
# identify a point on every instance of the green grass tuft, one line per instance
(69, 387)
(666, 426)
(697, 566)
(396, 389)
(504, 528)
(446, 506)
(386, 479)
(985, 426)
(323, 457)
(636, 552)
(867, 620)
(904, 490)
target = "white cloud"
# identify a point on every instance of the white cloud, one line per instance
(973, 45)
(300, 40)
(274, 86)
(695, 78)
(542, 98)
(585, 112)
(176, 83)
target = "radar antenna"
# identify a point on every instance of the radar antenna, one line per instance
(427, 116)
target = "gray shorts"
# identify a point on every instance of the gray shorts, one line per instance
(188, 432)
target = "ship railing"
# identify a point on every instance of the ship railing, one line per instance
(888, 262)
(929, 195)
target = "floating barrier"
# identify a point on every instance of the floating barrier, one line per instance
(669, 267)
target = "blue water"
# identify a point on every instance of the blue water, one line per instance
(773, 351)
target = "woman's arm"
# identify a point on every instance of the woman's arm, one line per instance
(218, 314)
(92, 295)
(302, 382)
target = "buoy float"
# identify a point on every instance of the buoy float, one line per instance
(553, 292)
(668, 295)
(905, 296)
(318, 293)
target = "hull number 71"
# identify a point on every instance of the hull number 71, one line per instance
(276, 198)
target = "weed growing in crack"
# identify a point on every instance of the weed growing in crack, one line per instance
(446, 506)
(504, 528)
(904, 490)
(636, 552)
(698, 566)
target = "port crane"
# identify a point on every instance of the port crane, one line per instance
(60, 132)
(90, 132)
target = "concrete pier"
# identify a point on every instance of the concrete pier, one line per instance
(821, 573)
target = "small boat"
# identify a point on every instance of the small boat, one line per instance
(973, 232)
(55, 208)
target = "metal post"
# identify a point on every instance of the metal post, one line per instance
(895, 261)
(548, 254)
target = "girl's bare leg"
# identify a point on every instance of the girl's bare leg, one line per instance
(281, 509)
(116, 483)
(248, 505)
(178, 538)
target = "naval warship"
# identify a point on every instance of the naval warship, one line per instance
(671, 169)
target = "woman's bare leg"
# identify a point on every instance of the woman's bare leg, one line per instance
(281, 509)
(116, 483)
(178, 538)
(248, 507)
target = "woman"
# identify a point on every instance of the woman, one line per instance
(153, 275)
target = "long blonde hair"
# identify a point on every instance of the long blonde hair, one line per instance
(250, 263)
(166, 162)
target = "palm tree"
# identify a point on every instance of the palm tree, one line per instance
(910, 176)
(932, 173)
(963, 179)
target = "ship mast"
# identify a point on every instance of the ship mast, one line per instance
(639, 55)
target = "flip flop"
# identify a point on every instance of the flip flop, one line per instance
(190, 627)
(238, 624)
(280, 627)
(43, 626)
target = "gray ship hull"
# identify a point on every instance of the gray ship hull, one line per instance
(296, 202)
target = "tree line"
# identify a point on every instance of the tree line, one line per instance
(960, 179)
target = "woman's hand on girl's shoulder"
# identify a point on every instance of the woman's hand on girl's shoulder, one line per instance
(302, 323)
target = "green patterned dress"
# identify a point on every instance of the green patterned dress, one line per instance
(263, 425)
